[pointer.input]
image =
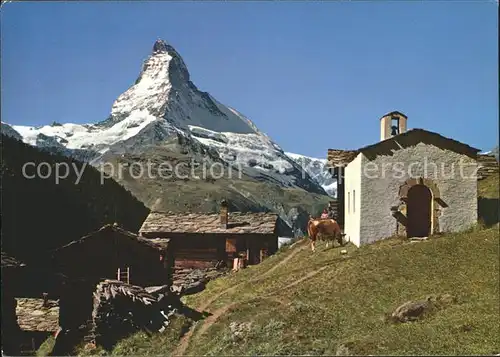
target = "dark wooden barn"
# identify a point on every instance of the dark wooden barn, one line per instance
(114, 253)
(203, 240)
(109, 253)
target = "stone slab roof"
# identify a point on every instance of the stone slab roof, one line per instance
(10, 262)
(209, 223)
(340, 157)
(413, 137)
(410, 138)
(157, 244)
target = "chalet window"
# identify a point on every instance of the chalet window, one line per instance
(348, 202)
(353, 201)
(231, 245)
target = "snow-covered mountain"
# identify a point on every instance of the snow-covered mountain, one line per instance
(9, 131)
(316, 168)
(164, 103)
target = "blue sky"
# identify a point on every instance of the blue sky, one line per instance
(312, 75)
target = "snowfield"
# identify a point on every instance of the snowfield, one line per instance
(244, 149)
(86, 136)
(316, 168)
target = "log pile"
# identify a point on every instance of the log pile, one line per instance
(121, 309)
(189, 281)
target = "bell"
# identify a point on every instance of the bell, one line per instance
(394, 130)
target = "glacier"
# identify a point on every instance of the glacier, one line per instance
(317, 169)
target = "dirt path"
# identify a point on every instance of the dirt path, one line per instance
(206, 324)
(297, 282)
(207, 303)
(184, 342)
(214, 317)
(290, 256)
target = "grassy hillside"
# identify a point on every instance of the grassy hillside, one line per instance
(489, 187)
(297, 302)
(39, 214)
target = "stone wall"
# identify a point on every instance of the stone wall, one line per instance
(352, 200)
(383, 177)
(33, 316)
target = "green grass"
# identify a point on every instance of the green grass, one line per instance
(489, 187)
(326, 303)
(46, 346)
(345, 305)
(141, 344)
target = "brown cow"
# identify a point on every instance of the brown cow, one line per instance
(328, 228)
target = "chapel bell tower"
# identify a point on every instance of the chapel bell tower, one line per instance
(392, 124)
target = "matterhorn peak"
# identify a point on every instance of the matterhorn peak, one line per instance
(162, 104)
(161, 46)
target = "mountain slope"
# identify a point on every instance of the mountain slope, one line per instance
(316, 168)
(7, 130)
(40, 214)
(198, 188)
(163, 103)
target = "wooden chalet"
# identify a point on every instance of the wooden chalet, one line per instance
(114, 253)
(109, 253)
(202, 240)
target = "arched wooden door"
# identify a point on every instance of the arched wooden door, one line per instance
(419, 211)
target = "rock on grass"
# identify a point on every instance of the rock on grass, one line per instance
(414, 310)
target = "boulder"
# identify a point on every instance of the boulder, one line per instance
(343, 350)
(239, 329)
(414, 310)
(410, 311)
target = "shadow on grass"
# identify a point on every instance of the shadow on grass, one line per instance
(193, 314)
(488, 210)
